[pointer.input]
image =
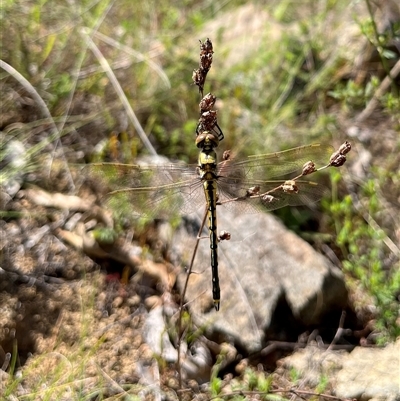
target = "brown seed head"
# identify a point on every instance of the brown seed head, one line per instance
(208, 119)
(253, 191)
(206, 46)
(268, 198)
(337, 159)
(226, 155)
(308, 168)
(207, 103)
(224, 235)
(345, 148)
(290, 187)
(199, 79)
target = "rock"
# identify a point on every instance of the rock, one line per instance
(312, 363)
(370, 374)
(364, 374)
(156, 336)
(12, 166)
(196, 361)
(269, 278)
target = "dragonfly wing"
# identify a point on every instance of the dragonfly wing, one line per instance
(152, 191)
(307, 192)
(120, 176)
(273, 165)
(253, 196)
(238, 180)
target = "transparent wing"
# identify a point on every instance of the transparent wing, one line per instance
(160, 191)
(237, 178)
(273, 165)
(153, 191)
(271, 195)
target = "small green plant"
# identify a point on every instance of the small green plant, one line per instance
(391, 102)
(352, 94)
(294, 375)
(323, 384)
(251, 379)
(215, 386)
(369, 262)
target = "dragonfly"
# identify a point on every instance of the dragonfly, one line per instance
(248, 185)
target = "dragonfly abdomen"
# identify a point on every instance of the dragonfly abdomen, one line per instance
(210, 190)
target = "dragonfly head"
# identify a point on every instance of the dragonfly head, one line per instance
(207, 140)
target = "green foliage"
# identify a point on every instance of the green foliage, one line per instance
(380, 40)
(353, 95)
(264, 382)
(275, 100)
(104, 236)
(322, 385)
(254, 382)
(250, 379)
(215, 386)
(391, 103)
(364, 244)
(294, 375)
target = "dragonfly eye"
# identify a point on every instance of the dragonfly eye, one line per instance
(207, 139)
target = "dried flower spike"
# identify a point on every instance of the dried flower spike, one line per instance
(226, 155)
(308, 168)
(290, 187)
(224, 235)
(345, 148)
(206, 57)
(338, 158)
(207, 103)
(253, 191)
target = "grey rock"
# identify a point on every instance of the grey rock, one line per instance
(364, 374)
(371, 373)
(12, 169)
(262, 266)
(156, 336)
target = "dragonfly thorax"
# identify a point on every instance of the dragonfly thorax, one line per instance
(207, 160)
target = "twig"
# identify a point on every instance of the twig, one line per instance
(180, 333)
(374, 225)
(339, 331)
(71, 93)
(114, 386)
(373, 103)
(43, 283)
(282, 345)
(276, 391)
(32, 91)
(139, 56)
